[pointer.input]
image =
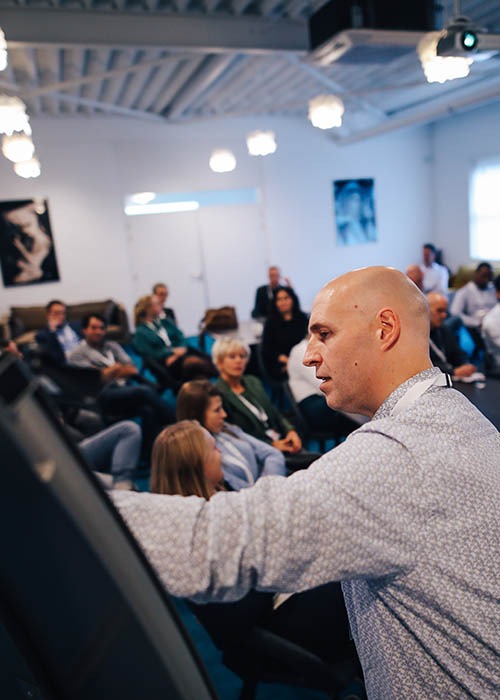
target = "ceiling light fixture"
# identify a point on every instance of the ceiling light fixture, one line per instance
(222, 161)
(28, 168)
(13, 116)
(3, 51)
(261, 143)
(325, 111)
(439, 69)
(18, 147)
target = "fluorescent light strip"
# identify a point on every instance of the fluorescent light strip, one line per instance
(163, 208)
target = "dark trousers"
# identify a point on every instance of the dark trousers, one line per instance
(142, 401)
(315, 619)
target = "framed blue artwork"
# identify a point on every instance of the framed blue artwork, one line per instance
(354, 203)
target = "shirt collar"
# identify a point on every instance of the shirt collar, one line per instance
(386, 407)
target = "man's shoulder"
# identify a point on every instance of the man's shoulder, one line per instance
(492, 316)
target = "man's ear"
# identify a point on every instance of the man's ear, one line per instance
(389, 328)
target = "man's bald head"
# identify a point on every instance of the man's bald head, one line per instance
(375, 323)
(438, 308)
(414, 272)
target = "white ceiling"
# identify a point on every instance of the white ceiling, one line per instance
(190, 60)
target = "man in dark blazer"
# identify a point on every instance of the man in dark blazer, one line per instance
(264, 295)
(58, 337)
(445, 352)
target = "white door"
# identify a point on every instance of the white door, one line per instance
(166, 248)
(208, 258)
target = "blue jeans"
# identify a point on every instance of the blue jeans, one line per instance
(114, 449)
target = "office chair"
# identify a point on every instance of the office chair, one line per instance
(162, 375)
(305, 430)
(265, 657)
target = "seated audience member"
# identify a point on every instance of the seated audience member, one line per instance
(244, 458)
(115, 449)
(248, 406)
(121, 396)
(435, 275)
(264, 295)
(58, 337)
(445, 352)
(491, 334)
(310, 400)
(473, 301)
(414, 272)
(285, 326)
(160, 340)
(160, 290)
(186, 461)
(404, 512)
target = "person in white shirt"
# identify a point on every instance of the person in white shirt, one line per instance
(305, 389)
(473, 301)
(490, 329)
(435, 275)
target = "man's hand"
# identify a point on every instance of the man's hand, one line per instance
(464, 370)
(291, 443)
(283, 360)
(118, 371)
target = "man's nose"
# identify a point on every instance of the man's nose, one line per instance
(310, 356)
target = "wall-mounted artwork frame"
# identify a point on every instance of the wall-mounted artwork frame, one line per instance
(354, 204)
(27, 253)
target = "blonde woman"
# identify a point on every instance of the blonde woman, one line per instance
(186, 461)
(244, 458)
(248, 406)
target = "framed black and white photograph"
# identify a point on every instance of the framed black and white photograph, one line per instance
(354, 202)
(27, 253)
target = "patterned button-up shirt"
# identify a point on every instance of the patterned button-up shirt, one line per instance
(404, 512)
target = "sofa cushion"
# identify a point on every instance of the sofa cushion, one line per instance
(28, 318)
(75, 312)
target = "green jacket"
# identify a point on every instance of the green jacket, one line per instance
(147, 343)
(240, 415)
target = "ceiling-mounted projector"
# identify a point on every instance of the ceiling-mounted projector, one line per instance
(461, 39)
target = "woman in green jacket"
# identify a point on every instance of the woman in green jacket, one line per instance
(248, 406)
(161, 341)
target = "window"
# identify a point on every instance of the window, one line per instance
(142, 203)
(485, 211)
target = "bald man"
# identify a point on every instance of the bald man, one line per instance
(445, 351)
(404, 512)
(414, 272)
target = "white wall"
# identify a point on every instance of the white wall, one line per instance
(458, 143)
(89, 166)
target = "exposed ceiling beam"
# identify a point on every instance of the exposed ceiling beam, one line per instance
(34, 27)
(98, 77)
(106, 107)
(318, 75)
(424, 114)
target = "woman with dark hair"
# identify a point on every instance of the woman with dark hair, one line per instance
(186, 461)
(284, 328)
(244, 458)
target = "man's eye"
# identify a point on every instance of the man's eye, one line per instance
(323, 335)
